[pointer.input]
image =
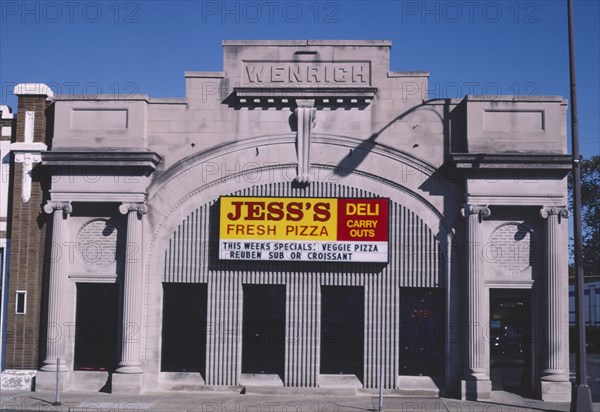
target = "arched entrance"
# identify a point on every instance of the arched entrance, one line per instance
(183, 251)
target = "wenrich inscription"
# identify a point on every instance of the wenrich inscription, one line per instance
(306, 74)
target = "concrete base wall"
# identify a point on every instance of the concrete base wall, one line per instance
(555, 391)
(17, 380)
(476, 390)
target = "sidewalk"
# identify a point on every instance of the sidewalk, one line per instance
(231, 402)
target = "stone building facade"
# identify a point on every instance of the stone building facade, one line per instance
(467, 291)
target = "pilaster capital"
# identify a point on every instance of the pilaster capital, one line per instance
(305, 102)
(559, 211)
(52, 205)
(309, 105)
(140, 207)
(481, 210)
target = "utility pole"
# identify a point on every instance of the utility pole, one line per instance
(582, 396)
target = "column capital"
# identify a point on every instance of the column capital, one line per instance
(559, 211)
(52, 205)
(481, 210)
(139, 207)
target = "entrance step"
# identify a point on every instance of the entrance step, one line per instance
(297, 391)
(260, 379)
(181, 381)
(89, 381)
(339, 381)
(420, 386)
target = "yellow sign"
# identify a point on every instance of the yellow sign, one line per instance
(304, 229)
(271, 218)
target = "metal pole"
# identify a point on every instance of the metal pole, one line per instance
(57, 393)
(380, 382)
(581, 396)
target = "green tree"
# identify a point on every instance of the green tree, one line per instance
(590, 204)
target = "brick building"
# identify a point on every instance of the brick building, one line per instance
(26, 233)
(304, 218)
(6, 131)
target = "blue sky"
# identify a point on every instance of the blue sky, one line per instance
(469, 47)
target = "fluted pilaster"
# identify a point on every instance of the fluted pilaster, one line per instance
(477, 312)
(133, 290)
(555, 366)
(55, 339)
(302, 349)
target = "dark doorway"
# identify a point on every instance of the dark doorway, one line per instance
(263, 330)
(510, 340)
(422, 325)
(96, 326)
(184, 327)
(342, 330)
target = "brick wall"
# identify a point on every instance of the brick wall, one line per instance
(511, 248)
(5, 122)
(27, 231)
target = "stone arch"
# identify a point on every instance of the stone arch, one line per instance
(180, 195)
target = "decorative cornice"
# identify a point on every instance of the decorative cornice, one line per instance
(93, 277)
(324, 96)
(528, 162)
(146, 160)
(482, 211)
(52, 205)
(68, 196)
(140, 207)
(34, 147)
(559, 211)
(530, 199)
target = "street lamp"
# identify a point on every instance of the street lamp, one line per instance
(582, 397)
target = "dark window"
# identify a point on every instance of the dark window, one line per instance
(21, 302)
(342, 330)
(96, 326)
(511, 335)
(184, 327)
(263, 330)
(422, 324)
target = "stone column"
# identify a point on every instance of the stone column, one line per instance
(477, 384)
(555, 384)
(133, 287)
(55, 340)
